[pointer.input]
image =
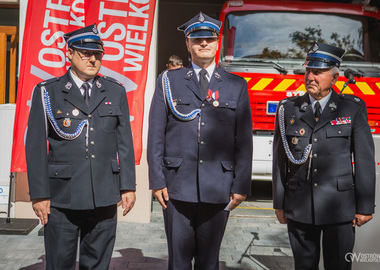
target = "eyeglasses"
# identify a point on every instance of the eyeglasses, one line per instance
(86, 55)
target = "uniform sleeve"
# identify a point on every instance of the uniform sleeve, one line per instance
(156, 137)
(278, 167)
(364, 164)
(243, 145)
(36, 149)
(125, 148)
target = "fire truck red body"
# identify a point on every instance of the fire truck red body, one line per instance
(266, 42)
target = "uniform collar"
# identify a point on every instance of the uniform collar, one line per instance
(79, 82)
(210, 70)
(323, 102)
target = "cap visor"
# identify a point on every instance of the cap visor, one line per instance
(89, 46)
(202, 34)
(318, 64)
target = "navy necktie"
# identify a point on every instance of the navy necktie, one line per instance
(86, 87)
(203, 82)
(317, 113)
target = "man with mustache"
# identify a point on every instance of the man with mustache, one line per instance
(323, 165)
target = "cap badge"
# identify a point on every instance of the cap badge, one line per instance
(75, 112)
(94, 29)
(68, 85)
(67, 122)
(201, 18)
(314, 48)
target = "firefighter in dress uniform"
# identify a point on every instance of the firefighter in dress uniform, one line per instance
(199, 149)
(323, 165)
(76, 183)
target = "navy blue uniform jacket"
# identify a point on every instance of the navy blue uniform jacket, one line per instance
(205, 159)
(72, 175)
(336, 189)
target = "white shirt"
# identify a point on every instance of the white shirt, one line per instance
(210, 70)
(79, 83)
(322, 102)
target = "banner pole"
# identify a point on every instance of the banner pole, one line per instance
(8, 219)
(20, 226)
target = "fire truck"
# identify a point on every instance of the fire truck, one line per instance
(266, 42)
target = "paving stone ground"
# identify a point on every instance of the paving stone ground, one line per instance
(254, 240)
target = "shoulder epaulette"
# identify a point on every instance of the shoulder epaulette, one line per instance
(352, 98)
(51, 80)
(110, 79)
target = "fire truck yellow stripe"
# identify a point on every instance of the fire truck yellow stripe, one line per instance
(301, 88)
(260, 85)
(347, 90)
(282, 86)
(247, 79)
(364, 87)
(378, 85)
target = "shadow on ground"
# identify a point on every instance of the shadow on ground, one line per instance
(131, 258)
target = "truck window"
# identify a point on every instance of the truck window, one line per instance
(286, 36)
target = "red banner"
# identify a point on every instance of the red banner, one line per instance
(125, 27)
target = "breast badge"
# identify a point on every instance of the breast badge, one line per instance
(302, 131)
(294, 140)
(67, 122)
(75, 112)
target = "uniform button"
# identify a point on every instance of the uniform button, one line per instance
(203, 105)
(55, 174)
(86, 150)
(168, 163)
(91, 129)
(92, 143)
(315, 140)
(201, 162)
(232, 166)
(296, 132)
(315, 170)
(110, 112)
(315, 185)
(227, 104)
(90, 116)
(315, 156)
(339, 132)
(93, 156)
(86, 157)
(203, 124)
(202, 142)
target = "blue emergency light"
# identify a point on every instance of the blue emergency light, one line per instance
(272, 107)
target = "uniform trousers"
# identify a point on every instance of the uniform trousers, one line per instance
(96, 229)
(337, 243)
(194, 230)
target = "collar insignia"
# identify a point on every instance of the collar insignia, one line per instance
(332, 106)
(68, 85)
(98, 84)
